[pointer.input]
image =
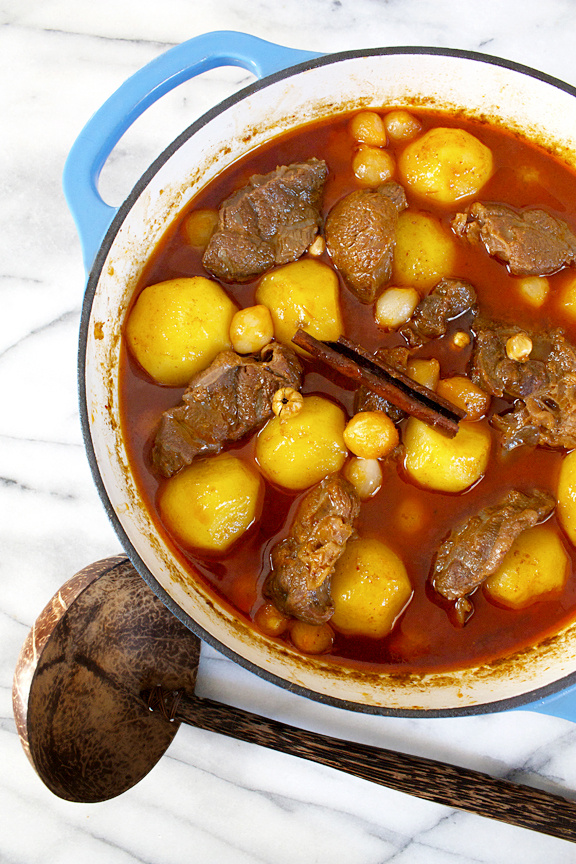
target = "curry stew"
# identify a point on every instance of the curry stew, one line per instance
(406, 494)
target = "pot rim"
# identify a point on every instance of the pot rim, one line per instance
(524, 699)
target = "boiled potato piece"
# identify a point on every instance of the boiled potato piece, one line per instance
(567, 300)
(424, 251)
(446, 164)
(303, 449)
(211, 503)
(302, 295)
(536, 565)
(426, 372)
(566, 496)
(463, 393)
(370, 588)
(446, 464)
(176, 328)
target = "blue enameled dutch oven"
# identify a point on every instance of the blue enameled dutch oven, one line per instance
(293, 88)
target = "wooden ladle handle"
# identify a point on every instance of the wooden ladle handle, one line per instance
(451, 785)
(105, 639)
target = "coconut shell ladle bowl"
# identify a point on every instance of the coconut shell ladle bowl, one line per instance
(107, 674)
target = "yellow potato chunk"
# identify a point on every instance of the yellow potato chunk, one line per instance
(535, 566)
(371, 435)
(176, 328)
(566, 496)
(424, 251)
(211, 503)
(426, 372)
(302, 295)
(370, 588)
(301, 450)
(462, 392)
(567, 300)
(446, 464)
(446, 164)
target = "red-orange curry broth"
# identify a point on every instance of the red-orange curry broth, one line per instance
(425, 637)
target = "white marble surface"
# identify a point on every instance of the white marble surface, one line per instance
(210, 798)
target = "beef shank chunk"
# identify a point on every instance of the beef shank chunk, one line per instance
(449, 299)
(492, 369)
(303, 563)
(476, 549)
(360, 236)
(543, 387)
(367, 400)
(531, 242)
(270, 221)
(224, 402)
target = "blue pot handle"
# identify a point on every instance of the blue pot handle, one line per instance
(562, 704)
(103, 131)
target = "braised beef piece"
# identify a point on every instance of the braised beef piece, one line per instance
(360, 236)
(476, 549)
(492, 369)
(531, 242)
(543, 387)
(449, 299)
(367, 400)
(224, 402)
(302, 565)
(270, 221)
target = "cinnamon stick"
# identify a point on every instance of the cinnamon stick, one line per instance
(354, 362)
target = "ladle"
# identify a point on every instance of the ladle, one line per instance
(107, 674)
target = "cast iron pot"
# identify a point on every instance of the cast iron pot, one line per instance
(295, 88)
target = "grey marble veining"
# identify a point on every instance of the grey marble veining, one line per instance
(210, 798)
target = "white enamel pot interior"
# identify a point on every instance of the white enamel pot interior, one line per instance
(528, 103)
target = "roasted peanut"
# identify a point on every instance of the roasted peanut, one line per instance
(395, 306)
